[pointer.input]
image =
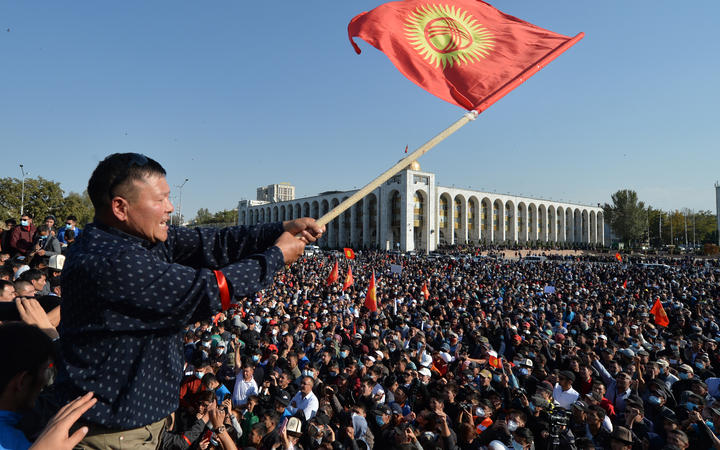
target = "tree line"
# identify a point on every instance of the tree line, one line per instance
(636, 224)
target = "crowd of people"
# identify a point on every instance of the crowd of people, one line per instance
(462, 352)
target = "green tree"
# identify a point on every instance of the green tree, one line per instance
(42, 197)
(78, 205)
(203, 216)
(226, 216)
(627, 216)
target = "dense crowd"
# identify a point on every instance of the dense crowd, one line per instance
(464, 351)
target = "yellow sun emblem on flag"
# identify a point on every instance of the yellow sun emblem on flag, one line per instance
(446, 35)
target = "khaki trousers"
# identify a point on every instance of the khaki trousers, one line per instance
(101, 438)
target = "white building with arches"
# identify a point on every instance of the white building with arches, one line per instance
(411, 212)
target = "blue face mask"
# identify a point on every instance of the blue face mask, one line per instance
(654, 400)
(68, 226)
(690, 406)
(379, 420)
(24, 223)
(496, 378)
(683, 375)
(699, 365)
(344, 354)
(524, 371)
(611, 322)
(256, 358)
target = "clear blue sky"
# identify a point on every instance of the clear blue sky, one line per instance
(235, 95)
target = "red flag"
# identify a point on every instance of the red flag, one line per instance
(425, 291)
(493, 360)
(406, 149)
(349, 253)
(625, 284)
(658, 311)
(464, 51)
(349, 280)
(334, 275)
(618, 257)
(371, 296)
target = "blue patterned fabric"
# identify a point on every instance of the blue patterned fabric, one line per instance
(126, 301)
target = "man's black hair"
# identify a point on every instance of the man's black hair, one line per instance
(6, 270)
(115, 173)
(69, 235)
(44, 228)
(24, 349)
(11, 222)
(71, 217)
(32, 275)
(4, 283)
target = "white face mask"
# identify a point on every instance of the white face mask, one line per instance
(512, 425)
(480, 412)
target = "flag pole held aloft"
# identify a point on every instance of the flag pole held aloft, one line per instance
(402, 164)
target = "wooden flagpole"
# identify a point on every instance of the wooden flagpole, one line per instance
(402, 164)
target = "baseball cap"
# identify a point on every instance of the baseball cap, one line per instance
(581, 405)
(425, 371)
(283, 398)
(568, 374)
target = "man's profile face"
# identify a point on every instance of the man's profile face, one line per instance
(149, 209)
(7, 294)
(39, 284)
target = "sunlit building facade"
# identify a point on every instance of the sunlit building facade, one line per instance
(410, 212)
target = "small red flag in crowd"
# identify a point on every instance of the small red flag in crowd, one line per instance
(493, 360)
(625, 284)
(464, 51)
(334, 275)
(658, 311)
(371, 296)
(618, 257)
(349, 280)
(425, 291)
(349, 253)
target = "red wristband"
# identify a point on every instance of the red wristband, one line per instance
(224, 291)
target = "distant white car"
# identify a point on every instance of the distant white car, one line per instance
(311, 250)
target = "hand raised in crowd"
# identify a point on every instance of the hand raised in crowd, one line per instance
(305, 228)
(33, 314)
(217, 415)
(56, 435)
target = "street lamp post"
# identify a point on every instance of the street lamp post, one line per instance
(180, 187)
(22, 192)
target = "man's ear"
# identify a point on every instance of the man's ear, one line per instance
(19, 384)
(119, 209)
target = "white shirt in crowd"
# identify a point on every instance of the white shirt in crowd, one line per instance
(308, 404)
(243, 390)
(565, 398)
